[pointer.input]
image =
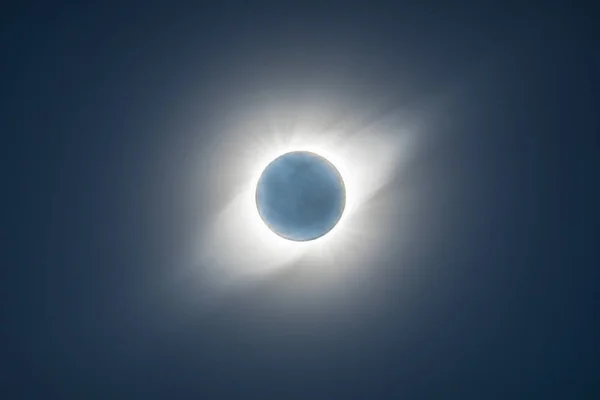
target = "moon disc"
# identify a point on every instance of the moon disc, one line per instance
(300, 196)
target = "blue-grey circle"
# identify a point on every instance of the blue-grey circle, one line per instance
(300, 196)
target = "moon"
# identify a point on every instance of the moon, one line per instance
(300, 196)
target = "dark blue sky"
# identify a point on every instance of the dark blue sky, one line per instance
(502, 300)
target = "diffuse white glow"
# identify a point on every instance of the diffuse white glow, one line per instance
(238, 246)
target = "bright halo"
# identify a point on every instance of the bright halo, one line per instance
(238, 245)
